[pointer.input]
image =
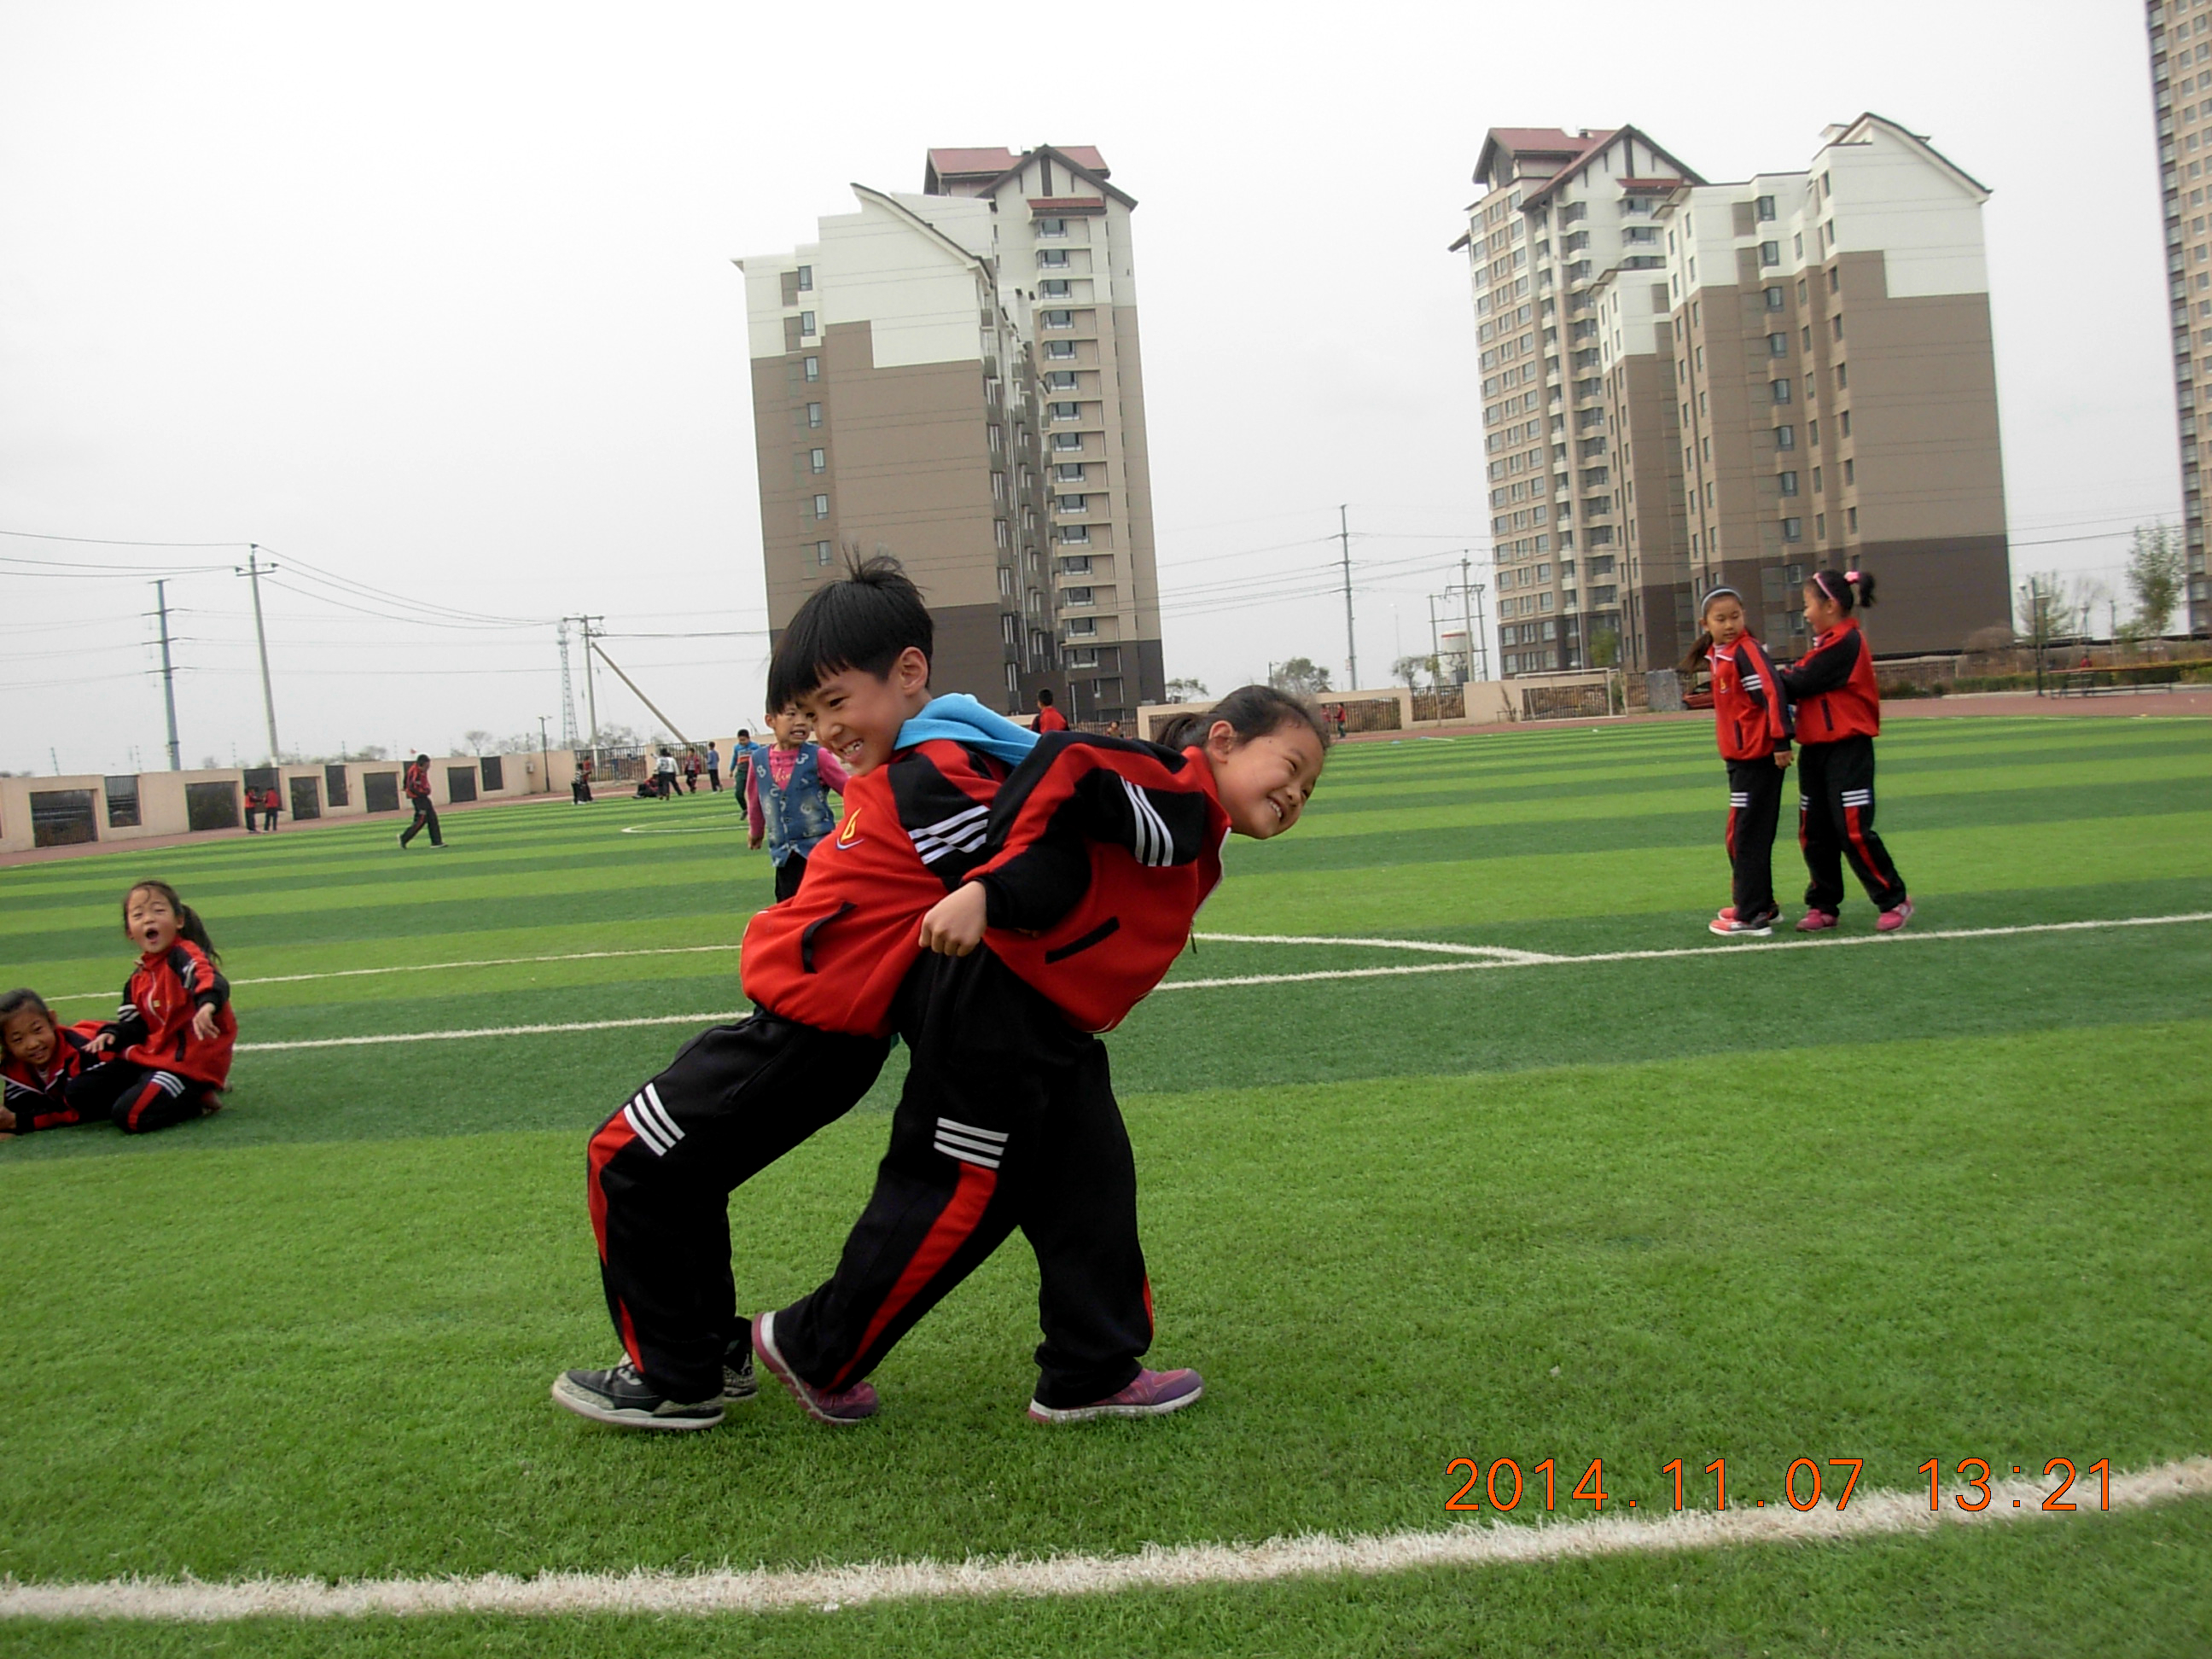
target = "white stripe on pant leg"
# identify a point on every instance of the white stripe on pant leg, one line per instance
(970, 1129)
(977, 1151)
(650, 1101)
(646, 1132)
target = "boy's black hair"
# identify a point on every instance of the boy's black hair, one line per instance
(189, 924)
(862, 621)
(420, 760)
(1252, 711)
(1044, 696)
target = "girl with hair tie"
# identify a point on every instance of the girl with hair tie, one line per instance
(1750, 716)
(1838, 717)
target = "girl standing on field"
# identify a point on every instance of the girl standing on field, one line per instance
(175, 1029)
(1752, 718)
(1838, 717)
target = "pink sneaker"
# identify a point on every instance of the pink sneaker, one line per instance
(1890, 921)
(839, 1405)
(1817, 921)
(1154, 1394)
(1727, 913)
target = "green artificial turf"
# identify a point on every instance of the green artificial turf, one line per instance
(1909, 1198)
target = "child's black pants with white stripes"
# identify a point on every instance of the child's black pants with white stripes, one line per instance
(1835, 823)
(1007, 1121)
(1754, 809)
(137, 1099)
(661, 1169)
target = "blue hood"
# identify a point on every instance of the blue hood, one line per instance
(959, 718)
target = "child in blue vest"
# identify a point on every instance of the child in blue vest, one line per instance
(786, 798)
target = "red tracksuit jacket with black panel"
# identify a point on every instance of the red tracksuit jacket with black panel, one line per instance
(1752, 714)
(1104, 849)
(154, 1027)
(1833, 687)
(37, 1098)
(833, 955)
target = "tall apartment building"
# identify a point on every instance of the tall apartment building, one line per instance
(1836, 386)
(917, 389)
(2181, 70)
(1577, 411)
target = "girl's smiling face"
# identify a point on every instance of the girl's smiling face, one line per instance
(149, 922)
(1264, 782)
(28, 1035)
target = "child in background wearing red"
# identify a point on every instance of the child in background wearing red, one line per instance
(1752, 720)
(41, 1061)
(175, 1030)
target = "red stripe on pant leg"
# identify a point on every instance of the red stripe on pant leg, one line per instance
(612, 1138)
(1858, 842)
(958, 1219)
(146, 1093)
(1151, 1325)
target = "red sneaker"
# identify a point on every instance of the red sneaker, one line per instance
(1154, 1394)
(1889, 922)
(1817, 921)
(839, 1405)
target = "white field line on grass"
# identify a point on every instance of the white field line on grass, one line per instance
(1502, 959)
(432, 967)
(829, 1588)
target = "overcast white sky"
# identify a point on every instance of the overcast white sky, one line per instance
(438, 299)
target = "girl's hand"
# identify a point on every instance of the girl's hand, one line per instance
(954, 926)
(101, 1044)
(203, 1023)
(1782, 757)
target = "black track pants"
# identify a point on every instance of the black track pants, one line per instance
(1754, 808)
(426, 817)
(1008, 1119)
(661, 1169)
(788, 875)
(137, 1099)
(1835, 821)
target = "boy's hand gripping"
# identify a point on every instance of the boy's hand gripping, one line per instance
(954, 926)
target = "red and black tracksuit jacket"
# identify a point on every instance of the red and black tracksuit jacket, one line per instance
(415, 783)
(41, 1098)
(824, 968)
(154, 1027)
(1102, 849)
(1838, 717)
(1753, 718)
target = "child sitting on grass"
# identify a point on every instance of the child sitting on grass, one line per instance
(41, 1061)
(175, 1030)
(1099, 854)
(787, 797)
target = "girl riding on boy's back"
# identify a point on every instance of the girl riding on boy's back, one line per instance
(175, 1030)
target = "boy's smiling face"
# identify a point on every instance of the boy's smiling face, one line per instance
(856, 715)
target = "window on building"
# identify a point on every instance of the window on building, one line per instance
(806, 279)
(1010, 630)
(1819, 525)
(1788, 481)
(1769, 253)
(1776, 299)
(1781, 391)
(1059, 320)
(1778, 345)
(1843, 376)
(1063, 411)
(1845, 417)
(1053, 257)
(821, 507)
(1067, 472)
(1816, 480)
(1851, 470)
(1084, 628)
(1793, 529)
(1852, 519)
(1073, 503)
(1075, 596)
(1051, 227)
(1835, 279)
(1001, 535)
(1799, 243)
(806, 323)
(1813, 434)
(813, 368)
(814, 414)
(821, 551)
(818, 460)
(1060, 350)
(1075, 535)
(1005, 583)
(1762, 209)
(1785, 437)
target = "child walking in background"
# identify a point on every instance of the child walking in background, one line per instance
(1753, 720)
(41, 1061)
(1099, 853)
(175, 1031)
(786, 798)
(1838, 717)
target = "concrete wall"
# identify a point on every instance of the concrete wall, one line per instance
(163, 796)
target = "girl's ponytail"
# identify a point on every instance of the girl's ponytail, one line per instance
(1850, 589)
(1252, 711)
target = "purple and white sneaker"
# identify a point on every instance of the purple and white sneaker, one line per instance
(1817, 921)
(842, 1407)
(1890, 921)
(1154, 1394)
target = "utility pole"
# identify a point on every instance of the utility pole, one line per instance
(590, 686)
(168, 673)
(1350, 641)
(1466, 611)
(253, 572)
(1436, 645)
(544, 758)
(1479, 589)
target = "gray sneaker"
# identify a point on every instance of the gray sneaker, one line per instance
(620, 1396)
(737, 1383)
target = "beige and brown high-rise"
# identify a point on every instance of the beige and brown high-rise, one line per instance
(2181, 81)
(954, 377)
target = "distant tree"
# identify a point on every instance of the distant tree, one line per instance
(2041, 606)
(1300, 678)
(519, 743)
(1605, 648)
(374, 751)
(1409, 672)
(2154, 575)
(1186, 692)
(476, 741)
